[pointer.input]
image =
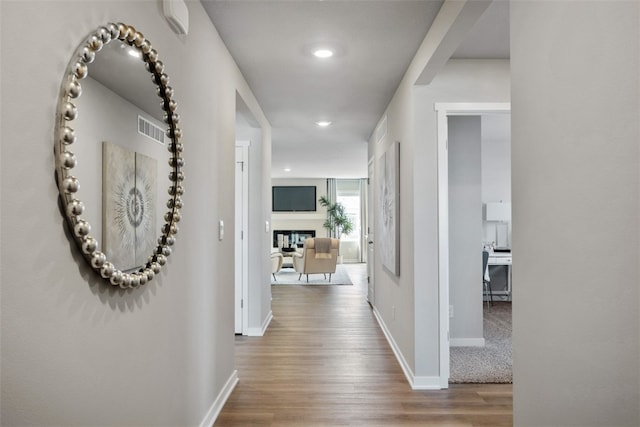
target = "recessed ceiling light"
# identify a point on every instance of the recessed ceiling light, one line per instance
(323, 123)
(287, 169)
(323, 53)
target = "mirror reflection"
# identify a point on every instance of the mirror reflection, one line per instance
(123, 155)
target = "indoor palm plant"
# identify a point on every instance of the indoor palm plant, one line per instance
(338, 222)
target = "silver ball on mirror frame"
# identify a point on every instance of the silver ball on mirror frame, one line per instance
(74, 89)
(166, 240)
(175, 147)
(164, 79)
(126, 280)
(155, 267)
(104, 34)
(142, 277)
(75, 207)
(153, 55)
(89, 245)
(159, 67)
(116, 278)
(161, 259)
(175, 202)
(107, 269)
(176, 189)
(80, 70)
(135, 280)
(68, 135)
(71, 184)
(123, 31)
(173, 105)
(145, 47)
(139, 39)
(166, 251)
(132, 35)
(168, 92)
(82, 228)
(88, 55)
(176, 176)
(95, 43)
(149, 273)
(176, 161)
(69, 111)
(113, 29)
(173, 216)
(98, 259)
(68, 160)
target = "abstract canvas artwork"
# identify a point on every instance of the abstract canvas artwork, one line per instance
(129, 206)
(389, 209)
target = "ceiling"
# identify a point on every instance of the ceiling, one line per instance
(374, 42)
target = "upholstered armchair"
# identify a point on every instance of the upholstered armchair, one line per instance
(319, 256)
(276, 263)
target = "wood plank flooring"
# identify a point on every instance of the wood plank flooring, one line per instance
(325, 362)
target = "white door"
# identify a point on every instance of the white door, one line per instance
(370, 235)
(240, 236)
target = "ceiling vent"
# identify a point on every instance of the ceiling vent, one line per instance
(148, 129)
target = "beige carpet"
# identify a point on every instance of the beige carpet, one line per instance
(491, 363)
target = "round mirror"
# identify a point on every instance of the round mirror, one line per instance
(118, 151)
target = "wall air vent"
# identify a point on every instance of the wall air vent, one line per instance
(148, 129)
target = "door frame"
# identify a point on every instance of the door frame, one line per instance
(241, 258)
(444, 110)
(370, 240)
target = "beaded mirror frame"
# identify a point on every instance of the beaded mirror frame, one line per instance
(66, 160)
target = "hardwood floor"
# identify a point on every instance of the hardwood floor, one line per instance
(325, 362)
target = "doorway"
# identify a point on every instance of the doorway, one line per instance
(240, 234)
(444, 111)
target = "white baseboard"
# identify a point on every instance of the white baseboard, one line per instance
(467, 342)
(258, 332)
(416, 382)
(221, 399)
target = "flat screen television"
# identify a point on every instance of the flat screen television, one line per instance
(289, 198)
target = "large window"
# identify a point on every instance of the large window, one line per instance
(350, 192)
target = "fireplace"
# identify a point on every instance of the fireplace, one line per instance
(291, 238)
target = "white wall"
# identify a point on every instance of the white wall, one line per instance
(74, 350)
(411, 119)
(575, 158)
(465, 230)
(496, 165)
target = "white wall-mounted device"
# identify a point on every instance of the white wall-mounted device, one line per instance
(177, 15)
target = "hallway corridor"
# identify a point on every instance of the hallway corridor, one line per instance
(325, 362)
